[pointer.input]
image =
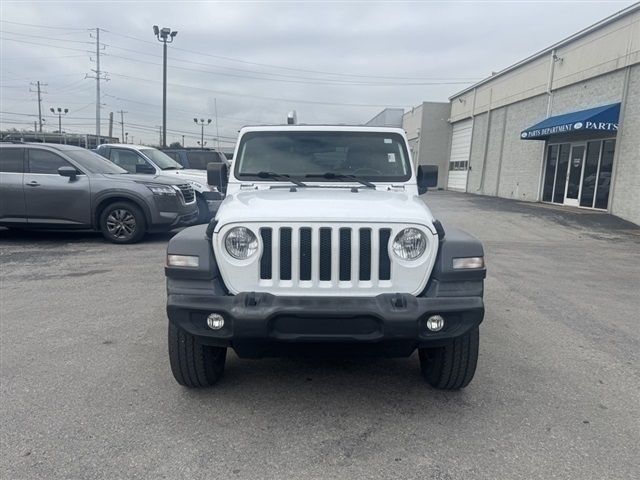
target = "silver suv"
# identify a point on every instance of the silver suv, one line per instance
(66, 187)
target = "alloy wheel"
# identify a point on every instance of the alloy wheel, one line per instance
(121, 223)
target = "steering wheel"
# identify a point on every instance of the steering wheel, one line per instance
(364, 170)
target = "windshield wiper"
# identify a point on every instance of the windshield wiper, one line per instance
(284, 176)
(341, 177)
(172, 168)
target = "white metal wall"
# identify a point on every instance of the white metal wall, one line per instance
(459, 158)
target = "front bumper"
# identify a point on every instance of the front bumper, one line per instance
(257, 324)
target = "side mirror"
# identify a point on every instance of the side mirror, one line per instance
(69, 172)
(218, 176)
(427, 177)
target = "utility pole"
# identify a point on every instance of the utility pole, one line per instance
(122, 112)
(110, 124)
(99, 75)
(164, 35)
(215, 106)
(38, 85)
(182, 141)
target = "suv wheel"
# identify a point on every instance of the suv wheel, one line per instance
(451, 367)
(194, 365)
(122, 222)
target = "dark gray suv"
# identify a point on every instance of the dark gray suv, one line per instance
(62, 186)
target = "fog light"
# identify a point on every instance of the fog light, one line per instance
(215, 321)
(435, 323)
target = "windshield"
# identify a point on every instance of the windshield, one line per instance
(373, 156)
(161, 159)
(93, 163)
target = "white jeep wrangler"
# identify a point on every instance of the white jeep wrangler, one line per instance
(323, 245)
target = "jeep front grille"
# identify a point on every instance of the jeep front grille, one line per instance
(325, 254)
(324, 259)
(187, 193)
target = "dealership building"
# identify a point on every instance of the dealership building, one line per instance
(561, 126)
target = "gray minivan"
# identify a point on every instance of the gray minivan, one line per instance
(66, 187)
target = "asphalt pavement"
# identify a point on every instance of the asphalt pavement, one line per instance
(86, 390)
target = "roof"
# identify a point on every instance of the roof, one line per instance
(319, 128)
(126, 145)
(56, 146)
(596, 26)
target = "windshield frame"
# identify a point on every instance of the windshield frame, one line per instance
(398, 137)
(153, 158)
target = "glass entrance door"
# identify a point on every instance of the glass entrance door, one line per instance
(579, 174)
(574, 175)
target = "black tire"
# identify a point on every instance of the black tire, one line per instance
(194, 365)
(203, 210)
(451, 367)
(122, 222)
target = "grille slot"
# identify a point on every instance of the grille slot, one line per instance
(305, 253)
(345, 254)
(365, 254)
(187, 193)
(265, 260)
(285, 254)
(384, 261)
(325, 254)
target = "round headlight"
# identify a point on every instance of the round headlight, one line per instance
(409, 244)
(241, 243)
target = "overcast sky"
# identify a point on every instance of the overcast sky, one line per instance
(333, 62)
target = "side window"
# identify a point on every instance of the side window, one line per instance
(129, 160)
(11, 160)
(44, 161)
(199, 160)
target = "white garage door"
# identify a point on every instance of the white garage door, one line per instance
(459, 159)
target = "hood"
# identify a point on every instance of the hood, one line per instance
(199, 176)
(144, 178)
(324, 205)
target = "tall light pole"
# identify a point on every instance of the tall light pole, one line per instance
(202, 124)
(59, 112)
(164, 35)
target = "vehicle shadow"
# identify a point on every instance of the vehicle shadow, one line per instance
(17, 235)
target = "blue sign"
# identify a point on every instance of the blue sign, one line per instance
(599, 119)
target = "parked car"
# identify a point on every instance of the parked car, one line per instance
(66, 187)
(197, 158)
(151, 161)
(331, 247)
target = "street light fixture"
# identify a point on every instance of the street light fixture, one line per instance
(59, 112)
(164, 35)
(202, 124)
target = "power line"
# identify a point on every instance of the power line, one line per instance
(45, 38)
(280, 67)
(311, 82)
(43, 26)
(284, 76)
(258, 97)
